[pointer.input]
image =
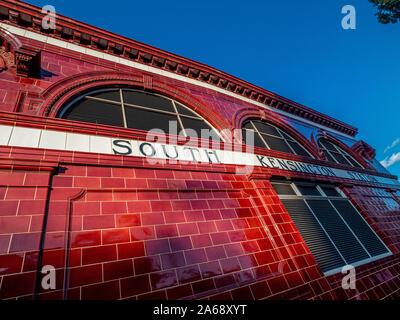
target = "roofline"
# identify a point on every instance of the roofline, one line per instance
(29, 17)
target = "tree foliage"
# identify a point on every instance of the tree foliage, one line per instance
(388, 10)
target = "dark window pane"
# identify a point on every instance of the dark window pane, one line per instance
(95, 112)
(329, 157)
(147, 120)
(360, 228)
(277, 144)
(197, 126)
(353, 162)
(327, 145)
(255, 141)
(283, 189)
(286, 136)
(340, 158)
(308, 190)
(112, 95)
(147, 100)
(319, 244)
(340, 234)
(298, 149)
(331, 192)
(266, 128)
(248, 125)
(183, 110)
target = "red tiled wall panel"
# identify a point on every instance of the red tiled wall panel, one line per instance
(22, 206)
(126, 233)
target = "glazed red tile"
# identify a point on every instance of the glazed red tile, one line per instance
(202, 240)
(160, 206)
(230, 265)
(25, 242)
(147, 264)
(152, 218)
(101, 291)
(172, 260)
(188, 274)
(184, 291)
(127, 220)
(210, 269)
(29, 207)
(112, 183)
(160, 280)
(247, 261)
(180, 243)
(242, 294)
(118, 269)
(99, 254)
(85, 275)
(195, 256)
(219, 238)
(85, 238)
(4, 243)
(216, 252)
(233, 249)
(174, 217)
(187, 229)
(11, 263)
(113, 207)
(20, 193)
(135, 285)
(166, 231)
(17, 285)
(130, 250)
(212, 215)
(14, 224)
(115, 236)
(203, 286)
(157, 246)
(207, 227)
(142, 233)
(98, 222)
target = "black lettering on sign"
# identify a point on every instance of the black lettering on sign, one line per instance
(261, 159)
(291, 165)
(125, 145)
(166, 152)
(152, 152)
(210, 153)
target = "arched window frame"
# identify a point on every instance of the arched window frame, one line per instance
(123, 104)
(248, 113)
(347, 150)
(287, 138)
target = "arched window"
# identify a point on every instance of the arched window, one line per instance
(129, 108)
(271, 137)
(336, 154)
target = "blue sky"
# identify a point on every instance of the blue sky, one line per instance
(297, 49)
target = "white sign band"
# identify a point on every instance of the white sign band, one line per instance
(57, 140)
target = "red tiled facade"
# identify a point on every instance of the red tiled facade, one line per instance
(117, 227)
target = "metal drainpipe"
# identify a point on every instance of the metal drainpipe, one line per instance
(43, 236)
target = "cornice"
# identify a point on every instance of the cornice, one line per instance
(29, 17)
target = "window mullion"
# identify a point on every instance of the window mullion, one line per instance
(260, 135)
(179, 118)
(123, 108)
